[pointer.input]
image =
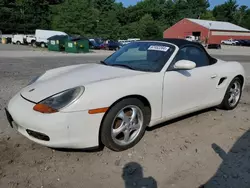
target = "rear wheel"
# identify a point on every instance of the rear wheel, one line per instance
(18, 42)
(233, 95)
(33, 43)
(125, 124)
(43, 45)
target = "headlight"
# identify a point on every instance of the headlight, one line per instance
(34, 79)
(58, 101)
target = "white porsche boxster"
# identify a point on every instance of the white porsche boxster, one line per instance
(142, 84)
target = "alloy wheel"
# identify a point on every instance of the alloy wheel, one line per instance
(234, 93)
(127, 125)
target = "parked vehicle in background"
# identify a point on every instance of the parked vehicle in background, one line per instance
(125, 42)
(112, 45)
(214, 46)
(18, 39)
(243, 42)
(8, 38)
(246, 42)
(31, 39)
(190, 38)
(96, 44)
(43, 35)
(229, 42)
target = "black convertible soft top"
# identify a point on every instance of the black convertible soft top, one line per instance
(182, 43)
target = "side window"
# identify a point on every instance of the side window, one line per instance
(193, 54)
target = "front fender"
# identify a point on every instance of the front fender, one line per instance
(105, 93)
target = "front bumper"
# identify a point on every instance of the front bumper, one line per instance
(65, 130)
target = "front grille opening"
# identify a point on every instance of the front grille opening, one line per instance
(38, 135)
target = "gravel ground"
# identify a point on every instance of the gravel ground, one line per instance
(11, 47)
(210, 146)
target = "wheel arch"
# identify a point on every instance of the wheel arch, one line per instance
(143, 99)
(223, 104)
(241, 78)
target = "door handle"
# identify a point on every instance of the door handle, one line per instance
(213, 76)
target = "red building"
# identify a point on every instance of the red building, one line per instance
(214, 31)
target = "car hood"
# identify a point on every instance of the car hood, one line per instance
(60, 79)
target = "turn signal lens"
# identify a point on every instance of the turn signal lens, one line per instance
(98, 111)
(43, 108)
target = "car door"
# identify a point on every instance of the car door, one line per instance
(187, 90)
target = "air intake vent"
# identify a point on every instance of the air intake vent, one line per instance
(222, 80)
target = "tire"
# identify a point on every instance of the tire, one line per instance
(43, 45)
(33, 43)
(114, 129)
(236, 96)
(18, 43)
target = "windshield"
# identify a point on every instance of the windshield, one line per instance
(142, 56)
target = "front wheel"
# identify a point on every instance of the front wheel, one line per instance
(43, 45)
(33, 43)
(233, 95)
(124, 125)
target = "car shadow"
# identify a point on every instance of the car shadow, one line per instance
(133, 177)
(234, 171)
(180, 118)
(86, 150)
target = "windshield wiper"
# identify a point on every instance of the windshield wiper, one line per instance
(122, 65)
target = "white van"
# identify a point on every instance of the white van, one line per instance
(31, 39)
(18, 39)
(43, 35)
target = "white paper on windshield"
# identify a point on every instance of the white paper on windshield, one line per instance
(159, 48)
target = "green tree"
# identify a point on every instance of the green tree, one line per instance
(8, 16)
(241, 15)
(104, 5)
(148, 28)
(28, 19)
(18, 16)
(208, 15)
(75, 17)
(130, 30)
(108, 26)
(226, 11)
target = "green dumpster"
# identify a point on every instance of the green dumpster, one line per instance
(77, 45)
(57, 43)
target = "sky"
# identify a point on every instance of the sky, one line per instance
(212, 2)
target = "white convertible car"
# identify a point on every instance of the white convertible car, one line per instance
(142, 84)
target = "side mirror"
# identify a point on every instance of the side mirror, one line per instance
(184, 65)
